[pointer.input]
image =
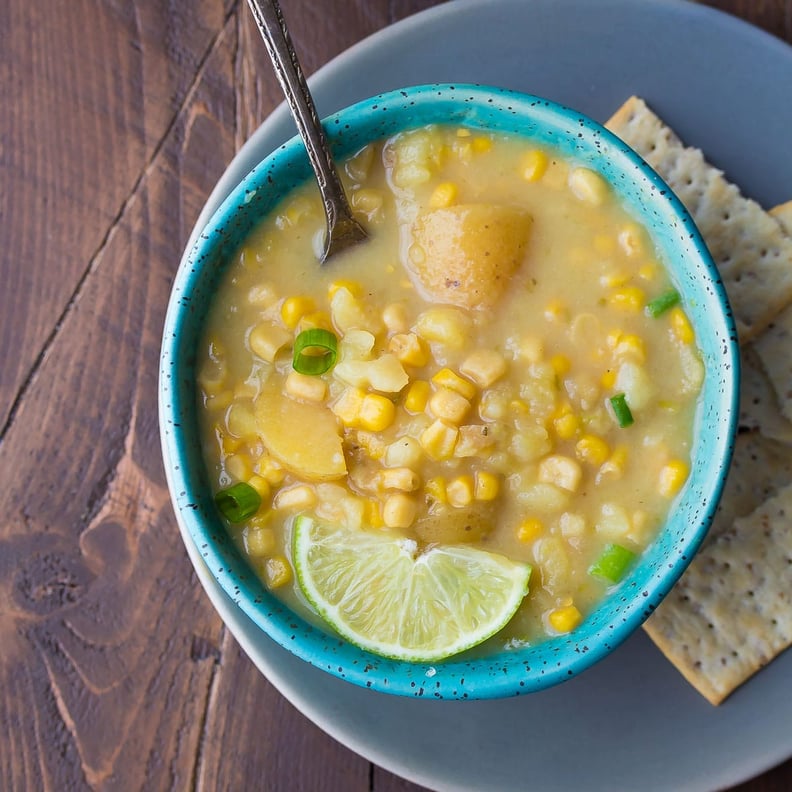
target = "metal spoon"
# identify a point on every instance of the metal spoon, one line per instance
(343, 230)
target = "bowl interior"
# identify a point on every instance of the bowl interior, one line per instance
(693, 273)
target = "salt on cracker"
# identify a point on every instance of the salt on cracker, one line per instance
(731, 613)
(774, 346)
(750, 248)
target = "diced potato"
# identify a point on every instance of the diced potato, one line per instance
(449, 405)
(562, 471)
(475, 440)
(551, 556)
(385, 373)
(304, 438)
(241, 420)
(349, 313)
(530, 443)
(470, 252)
(546, 498)
(633, 380)
(484, 367)
(613, 523)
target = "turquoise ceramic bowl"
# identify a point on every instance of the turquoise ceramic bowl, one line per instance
(692, 271)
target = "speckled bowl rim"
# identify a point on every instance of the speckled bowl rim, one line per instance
(511, 672)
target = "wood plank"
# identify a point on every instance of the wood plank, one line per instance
(94, 87)
(109, 643)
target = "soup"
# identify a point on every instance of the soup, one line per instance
(504, 368)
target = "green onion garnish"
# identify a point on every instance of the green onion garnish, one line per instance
(315, 351)
(621, 410)
(613, 562)
(662, 303)
(238, 502)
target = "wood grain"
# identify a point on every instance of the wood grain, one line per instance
(115, 672)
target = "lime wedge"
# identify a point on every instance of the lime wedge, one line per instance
(378, 592)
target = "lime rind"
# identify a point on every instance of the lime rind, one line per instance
(375, 590)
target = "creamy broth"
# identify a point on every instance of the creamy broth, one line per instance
(462, 407)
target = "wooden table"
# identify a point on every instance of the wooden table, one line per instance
(115, 672)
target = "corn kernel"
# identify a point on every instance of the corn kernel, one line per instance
(402, 478)
(632, 347)
(592, 450)
(588, 186)
(239, 466)
(295, 499)
(417, 396)
(628, 298)
(681, 326)
(672, 477)
(565, 618)
(445, 378)
(487, 486)
(481, 144)
(305, 388)
(613, 468)
(266, 340)
(260, 484)
(277, 572)
(314, 319)
(372, 513)
(561, 364)
(608, 379)
(409, 349)
(368, 202)
(435, 488)
(404, 452)
(566, 426)
(533, 165)
(529, 529)
(399, 511)
(260, 542)
(439, 439)
(270, 470)
(460, 491)
(449, 405)
(445, 325)
(348, 405)
(443, 195)
(294, 308)
(353, 287)
(377, 412)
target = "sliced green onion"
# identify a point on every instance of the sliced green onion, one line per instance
(613, 563)
(621, 410)
(662, 303)
(315, 351)
(238, 502)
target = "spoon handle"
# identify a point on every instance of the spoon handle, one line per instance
(342, 229)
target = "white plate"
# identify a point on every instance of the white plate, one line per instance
(630, 722)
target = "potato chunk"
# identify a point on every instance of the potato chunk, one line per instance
(303, 437)
(465, 254)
